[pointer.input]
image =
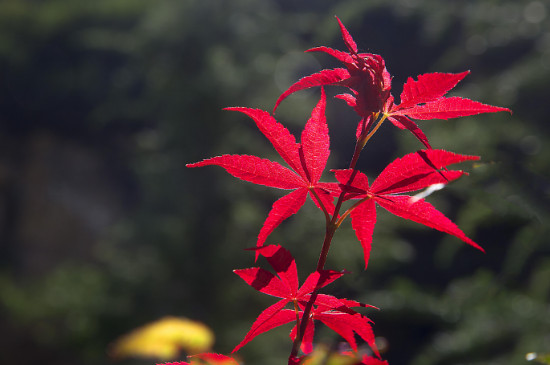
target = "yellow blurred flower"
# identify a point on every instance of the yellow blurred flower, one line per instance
(164, 339)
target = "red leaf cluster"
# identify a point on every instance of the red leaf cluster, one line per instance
(369, 83)
(333, 312)
(307, 160)
(412, 172)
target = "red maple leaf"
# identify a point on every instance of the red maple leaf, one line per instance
(306, 159)
(342, 321)
(424, 99)
(412, 172)
(370, 82)
(284, 285)
(365, 74)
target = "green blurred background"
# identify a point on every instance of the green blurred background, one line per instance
(103, 229)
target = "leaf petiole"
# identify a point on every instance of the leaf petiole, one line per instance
(298, 324)
(320, 203)
(350, 209)
(363, 141)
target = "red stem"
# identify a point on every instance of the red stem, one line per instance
(331, 228)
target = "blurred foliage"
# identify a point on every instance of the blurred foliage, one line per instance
(103, 229)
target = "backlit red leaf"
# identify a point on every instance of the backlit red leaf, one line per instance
(402, 122)
(282, 209)
(307, 340)
(334, 313)
(348, 98)
(324, 77)
(263, 281)
(325, 302)
(412, 172)
(213, 359)
(346, 325)
(307, 161)
(428, 87)
(279, 136)
(339, 55)
(363, 219)
(417, 171)
(317, 280)
(422, 212)
(255, 170)
(315, 142)
(285, 286)
(350, 43)
(326, 197)
(446, 108)
(272, 317)
(356, 188)
(284, 265)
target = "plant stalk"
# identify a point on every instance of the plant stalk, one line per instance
(331, 228)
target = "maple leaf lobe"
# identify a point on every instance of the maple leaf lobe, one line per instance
(412, 172)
